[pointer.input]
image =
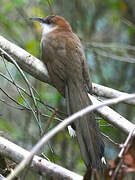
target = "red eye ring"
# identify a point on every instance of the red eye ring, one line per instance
(49, 21)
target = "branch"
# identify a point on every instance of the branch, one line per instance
(113, 117)
(29, 63)
(107, 92)
(37, 69)
(39, 165)
(25, 60)
(2, 178)
(62, 125)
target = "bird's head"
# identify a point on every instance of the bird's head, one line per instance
(52, 22)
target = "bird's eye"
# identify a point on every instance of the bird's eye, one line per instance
(49, 21)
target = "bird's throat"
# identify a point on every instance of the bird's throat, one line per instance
(47, 28)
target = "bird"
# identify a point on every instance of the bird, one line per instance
(64, 57)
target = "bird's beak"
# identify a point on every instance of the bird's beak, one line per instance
(37, 19)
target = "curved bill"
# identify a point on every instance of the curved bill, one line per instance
(37, 19)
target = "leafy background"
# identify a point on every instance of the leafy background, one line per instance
(106, 29)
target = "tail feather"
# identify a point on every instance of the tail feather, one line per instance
(87, 130)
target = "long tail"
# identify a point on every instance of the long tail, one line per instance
(87, 130)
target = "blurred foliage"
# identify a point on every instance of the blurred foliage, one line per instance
(108, 23)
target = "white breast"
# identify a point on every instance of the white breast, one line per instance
(46, 28)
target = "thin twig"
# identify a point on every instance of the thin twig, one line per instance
(112, 141)
(50, 120)
(109, 45)
(50, 108)
(126, 146)
(29, 86)
(23, 107)
(50, 6)
(115, 57)
(12, 106)
(60, 126)
(20, 91)
(26, 108)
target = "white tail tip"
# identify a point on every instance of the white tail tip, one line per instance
(71, 131)
(103, 160)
